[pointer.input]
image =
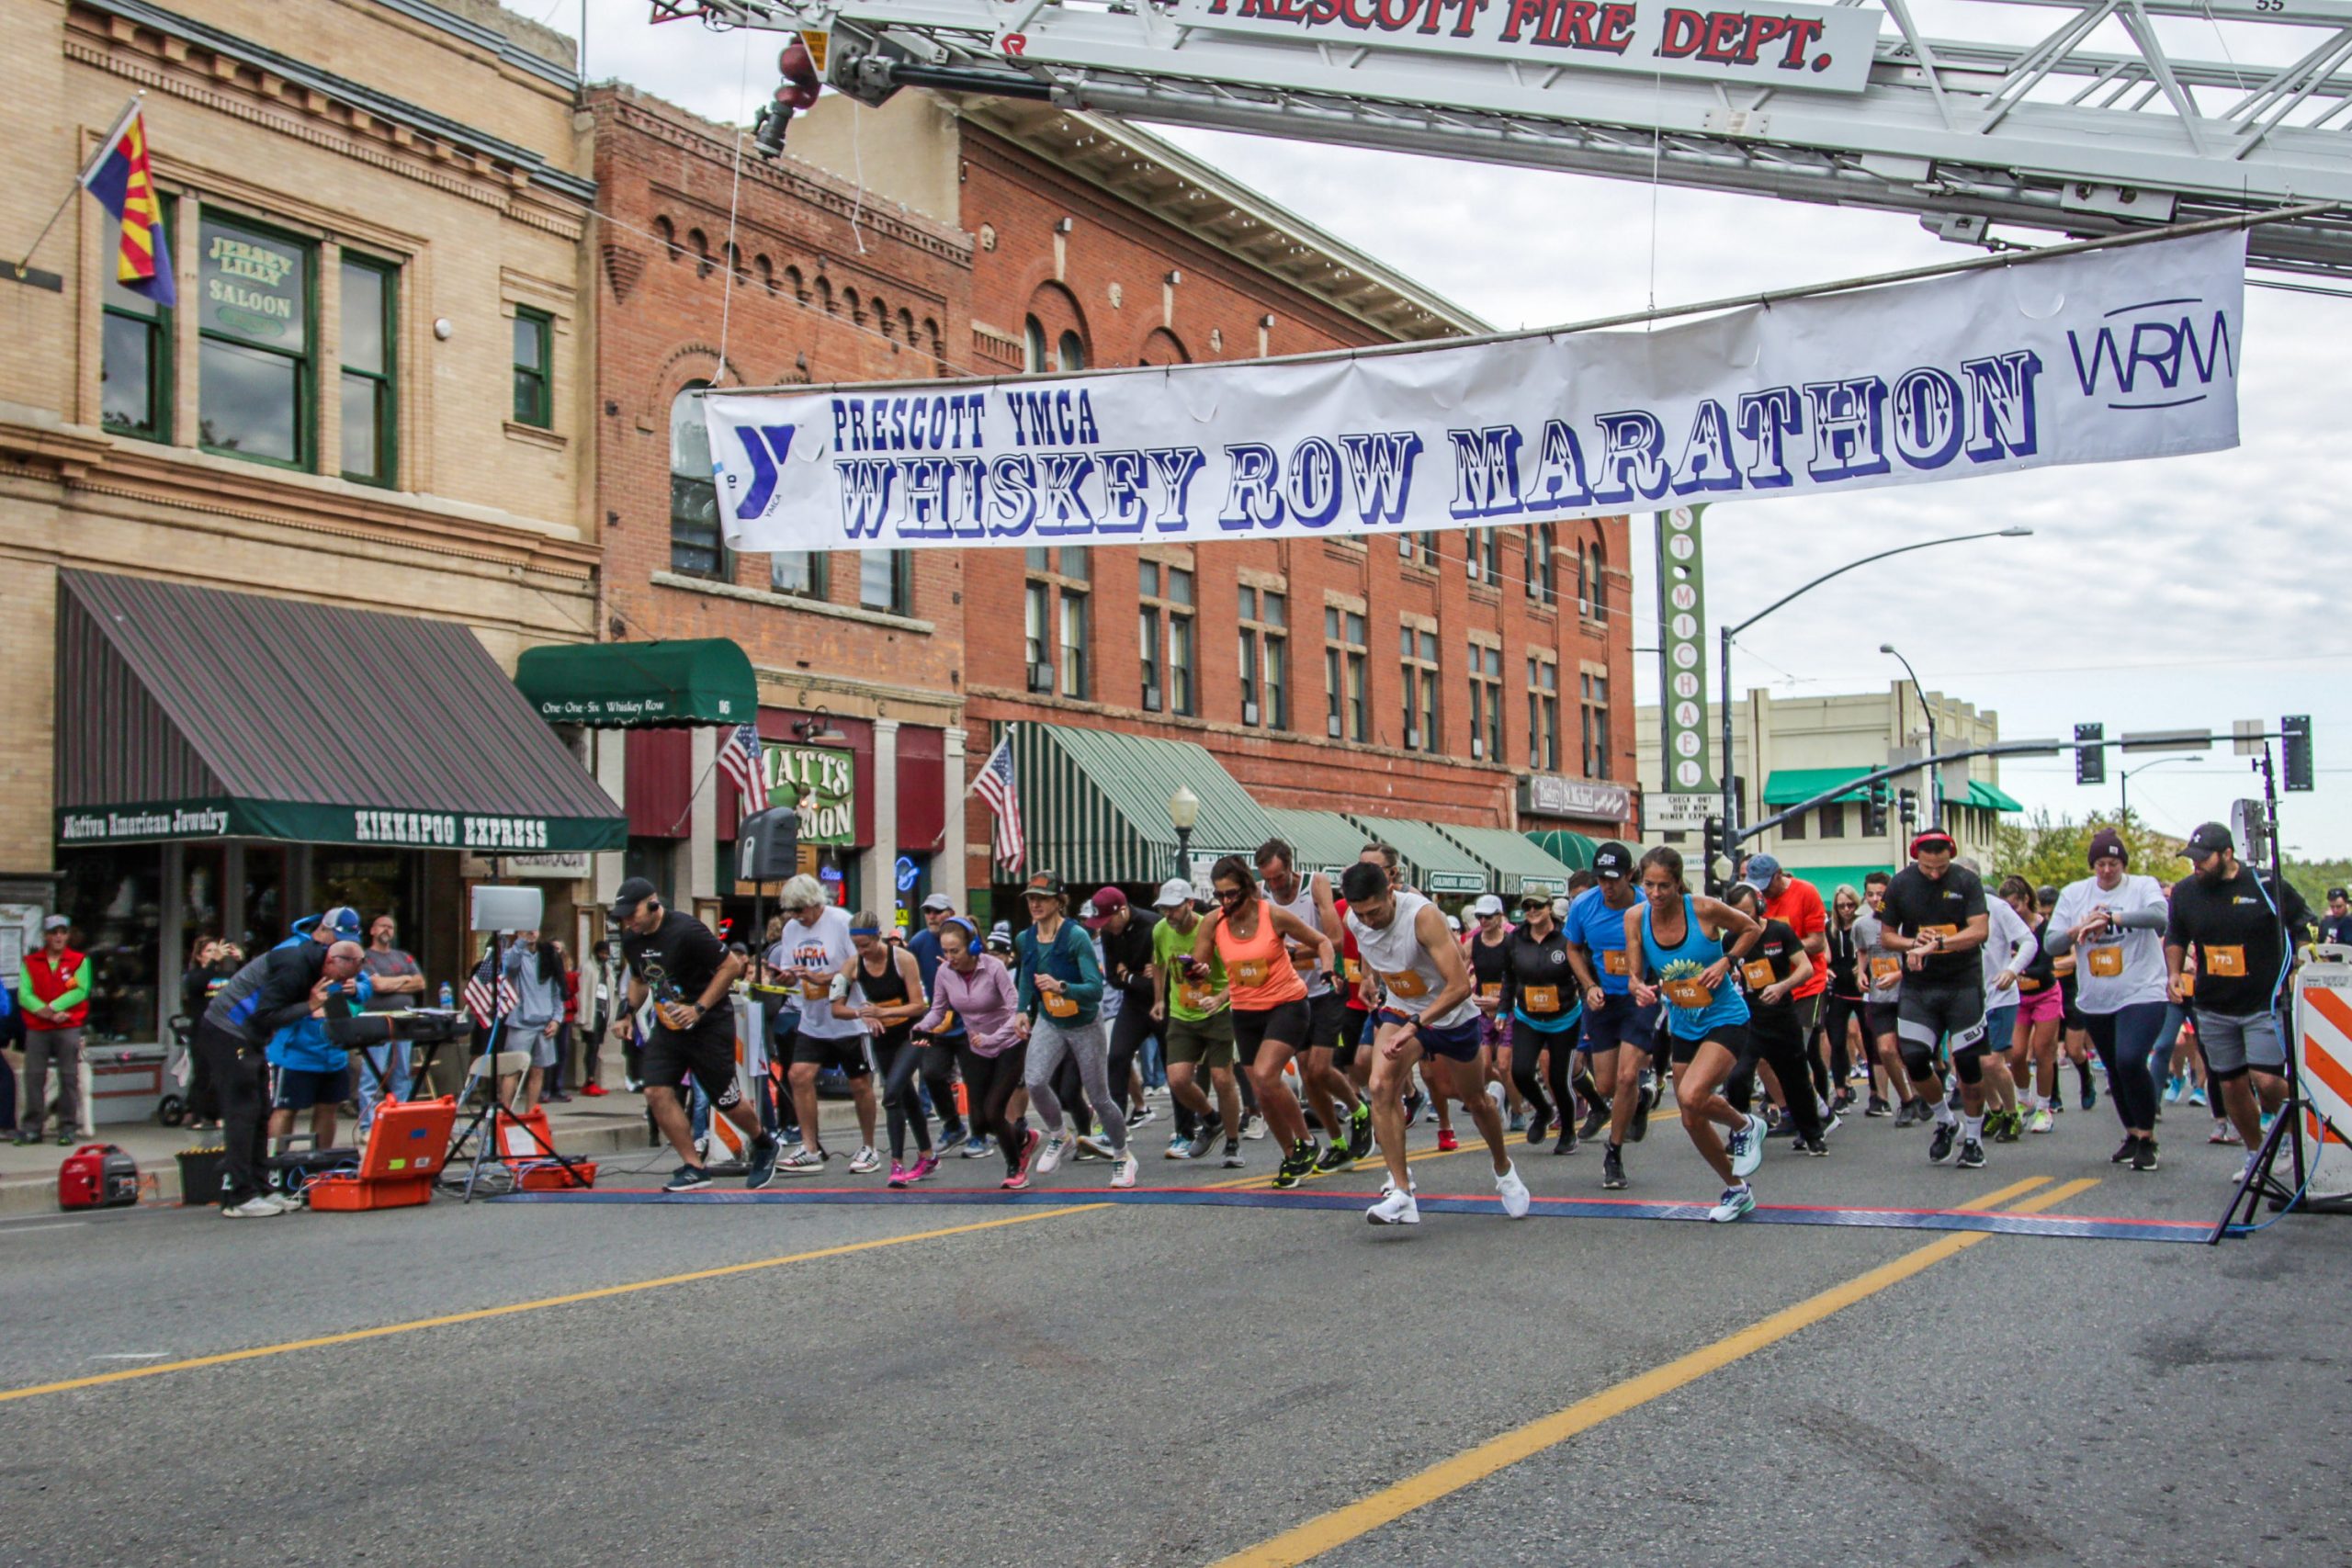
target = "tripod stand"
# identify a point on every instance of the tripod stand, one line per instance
(2262, 1182)
(485, 1128)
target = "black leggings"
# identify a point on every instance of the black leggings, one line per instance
(1128, 1031)
(1071, 1090)
(1838, 1017)
(898, 1058)
(939, 1077)
(2124, 1040)
(1526, 1045)
(989, 1084)
(1776, 1037)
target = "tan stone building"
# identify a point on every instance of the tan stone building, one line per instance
(371, 397)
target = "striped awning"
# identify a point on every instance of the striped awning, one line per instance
(1517, 863)
(1094, 804)
(1326, 842)
(1570, 849)
(1434, 862)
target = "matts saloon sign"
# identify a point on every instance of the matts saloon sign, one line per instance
(2095, 357)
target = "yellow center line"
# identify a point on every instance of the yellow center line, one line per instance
(1328, 1532)
(481, 1313)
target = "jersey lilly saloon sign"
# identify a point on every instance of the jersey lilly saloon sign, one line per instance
(2093, 358)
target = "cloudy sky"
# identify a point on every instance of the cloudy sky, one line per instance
(2182, 593)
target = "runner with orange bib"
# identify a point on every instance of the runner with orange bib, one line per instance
(1271, 1018)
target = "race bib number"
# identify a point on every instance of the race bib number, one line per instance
(1355, 970)
(2225, 963)
(1883, 969)
(1690, 994)
(1613, 962)
(1938, 931)
(1251, 972)
(2064, 965)
(1060, 1006)
(2107, 963)
(1405, 982)
(1195, 998)
(816, 990)
(1492, 992)
(1542, 999)
(2188, 982)
(1759, 972)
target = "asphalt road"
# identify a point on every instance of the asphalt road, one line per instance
(1177, 1384)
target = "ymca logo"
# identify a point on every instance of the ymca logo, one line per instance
(765, 446)
(2159, 353)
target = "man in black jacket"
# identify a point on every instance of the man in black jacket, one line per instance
(281, 986)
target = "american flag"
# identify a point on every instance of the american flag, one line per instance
(480, 1001)
(995, 788)
(739, 760)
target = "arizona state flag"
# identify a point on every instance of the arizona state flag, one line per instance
(119, 178)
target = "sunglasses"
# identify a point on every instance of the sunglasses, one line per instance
(1231, 894)
(1534, 904)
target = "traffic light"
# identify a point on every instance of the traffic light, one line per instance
(1874, 810)
(1716, 867)
(2090, 755)
(2295, 743)
(1909, 807)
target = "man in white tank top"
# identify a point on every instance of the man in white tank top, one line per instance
(1346, 1120)
(1418, 985)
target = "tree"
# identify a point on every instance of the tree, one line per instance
(2052, 854)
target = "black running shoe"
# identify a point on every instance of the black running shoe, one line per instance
(1972, 1155)
(1613, 1170)
(690, 1179)
(1334, 1157)
(1878, 1107)
(2144, 1156)
(1568, 1144)
(2123, 1152)
(1538, 1123)
(759, 1167)
(1594, 1121)
(1640, 1129)
(1360, 1139)
(1813, 1146)
(1940, 1147)
(1414, 1100)
(1297, 1165)
(1908, 1116)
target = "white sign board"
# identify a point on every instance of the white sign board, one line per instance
(1662, 812)
(2089, 359)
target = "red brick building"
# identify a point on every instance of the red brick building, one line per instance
(790, 278)
(1480, 679)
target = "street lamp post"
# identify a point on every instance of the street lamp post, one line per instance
(1731, 804)
(1936, 781)
(2123, 780)
(1184, 811)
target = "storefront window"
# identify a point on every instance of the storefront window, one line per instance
(253, 371)
(115, 898)
(372, 883)
(261, 919)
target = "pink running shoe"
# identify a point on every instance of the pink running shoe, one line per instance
(926, 1166)
(899, 1176)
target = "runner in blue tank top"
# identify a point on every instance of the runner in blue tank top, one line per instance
(1688, 947)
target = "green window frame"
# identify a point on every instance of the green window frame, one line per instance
(534, 367)
(245, 350)
(135, 354)
(371, 364)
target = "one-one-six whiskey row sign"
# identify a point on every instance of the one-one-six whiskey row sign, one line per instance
(1816, 48)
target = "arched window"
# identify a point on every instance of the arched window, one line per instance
(1600, 582)
(766, 271)
(825, 295)
(793, 281)
(735, 264)
(1070, 354)
(1543, 581)
(696, 547)
(906, 325)
(857, 310)
(1033, 339)
(881, 315)
(938, 349)
(665, 233)
(699, 242)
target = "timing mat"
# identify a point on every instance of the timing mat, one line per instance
(2062, 1225)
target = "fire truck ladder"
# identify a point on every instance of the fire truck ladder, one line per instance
(2023, 124)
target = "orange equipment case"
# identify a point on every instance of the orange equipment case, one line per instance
(397, 1168)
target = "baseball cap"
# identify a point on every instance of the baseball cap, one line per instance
(1174, 892)
(1612, 861)
(2210, 839)
(1046, 884)
(1932, 839)
(2107, 841)
(628, 896)
(1761, 870)
(941, 902)
(1454, 922)
(1487, 904)
(1106, 902)
(56, 923)
(344, 921)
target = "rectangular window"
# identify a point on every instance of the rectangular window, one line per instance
(370, 353)
(257, 386)
(886, 580)
(1483, 555)
(1344, 666)
(1417, 653)
(1265, 647)
(1056, 613)
(800, 573)
(1486, 703)
(1543, 581)
(1148, 634)
(534, 367)
(1792, 830)
(1074, 644)
(1418, 548)
(1542, 714)
(1831, 820)
(1037, 620)
(1170, 673)
(1595, 704)
(134, 357)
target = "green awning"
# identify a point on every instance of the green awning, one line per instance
(1826, 879)
(1094, 805)
(1518, 863)
(1435, 862)
(1326, 842)
(1992, 797)
(1571, 850)
(1794, 787)
(641, 685)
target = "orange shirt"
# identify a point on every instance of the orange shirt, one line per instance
(1260, 968)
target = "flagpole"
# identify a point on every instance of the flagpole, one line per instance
(80, 179)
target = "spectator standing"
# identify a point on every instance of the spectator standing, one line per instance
(54, 990)
(594, 999)
(12, 1051)
(566, 1029)
(396, 983)
(536, 970)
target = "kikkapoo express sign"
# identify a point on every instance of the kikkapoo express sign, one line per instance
(2093, 357)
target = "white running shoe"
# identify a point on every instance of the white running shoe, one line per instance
(1254, 1129)
(1503, 1104)
(1050, 1152)
(1513, 1192)
(1739, 1203)
(260, 1207)
(1746, 1149)
(1394, 1207)
(1126, 1175)
(866, 1160)
(1388, 1185)
(2245, 1170)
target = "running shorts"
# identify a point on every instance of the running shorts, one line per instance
(1930, 1015)
(1200, 1042)
(1457, 1043)
(1355, 1023)
(2234, 1045)
(1327, 1021)
(2044, 1006)
(1619, 1021)
(1252, 1027)
(1731, 1037)
(300, 1089)
(846, 1051)
(668, 1059)
(1880, 1019)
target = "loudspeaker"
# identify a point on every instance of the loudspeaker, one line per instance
(767, 846)
(507, 908)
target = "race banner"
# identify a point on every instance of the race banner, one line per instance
(2095, 357)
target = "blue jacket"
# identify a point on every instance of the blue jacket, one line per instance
(302, 1044)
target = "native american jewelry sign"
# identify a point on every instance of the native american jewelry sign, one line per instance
(2095, 358)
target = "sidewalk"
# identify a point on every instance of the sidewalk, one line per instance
(611, 1125)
